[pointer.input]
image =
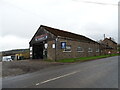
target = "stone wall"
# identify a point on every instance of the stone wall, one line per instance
(59, 53)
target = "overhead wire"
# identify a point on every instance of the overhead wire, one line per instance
(100, 3)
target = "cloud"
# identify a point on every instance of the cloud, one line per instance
(12, 42)
(20, 19)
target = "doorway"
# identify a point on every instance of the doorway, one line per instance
(38, 51)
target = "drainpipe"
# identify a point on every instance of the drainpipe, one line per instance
(55, 47)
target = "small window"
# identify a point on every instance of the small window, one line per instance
(89, 49)
(97, 50)
(68, 48)
(53, 45)
(46, 45)
(79, 49)
(63, 45)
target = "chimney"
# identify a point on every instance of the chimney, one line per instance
(104, 36)
(110, 38)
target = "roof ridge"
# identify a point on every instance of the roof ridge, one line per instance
(78, 35)
(63, 31)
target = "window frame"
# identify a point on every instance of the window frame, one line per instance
(80, 50)
(90, 50)
(97, 50)
(69, 50)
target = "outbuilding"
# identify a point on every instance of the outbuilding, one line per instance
(109, 46)
(55, 44)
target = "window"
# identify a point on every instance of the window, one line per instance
(53, 45)
(67, 49)
(97, 50)
(63, 45)
(79, 49)
(45, 45)
(89, 49)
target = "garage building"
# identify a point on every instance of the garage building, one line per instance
(55, 44)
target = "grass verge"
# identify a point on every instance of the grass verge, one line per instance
(70, 60)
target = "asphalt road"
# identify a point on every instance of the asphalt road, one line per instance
(102, 73)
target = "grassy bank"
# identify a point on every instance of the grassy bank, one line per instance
(85, 58)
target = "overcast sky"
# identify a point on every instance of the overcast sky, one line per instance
(20, 19)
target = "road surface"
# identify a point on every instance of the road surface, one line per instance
(102, 73)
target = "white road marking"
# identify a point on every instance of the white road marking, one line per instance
(58, 77)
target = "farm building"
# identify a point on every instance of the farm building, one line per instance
(55, 44)
(16, 54)
(108, 46)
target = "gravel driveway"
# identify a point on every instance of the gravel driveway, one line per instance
(25, 66)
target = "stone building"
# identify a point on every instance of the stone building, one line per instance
(1, 56)
(55, 44)
(108, 46)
